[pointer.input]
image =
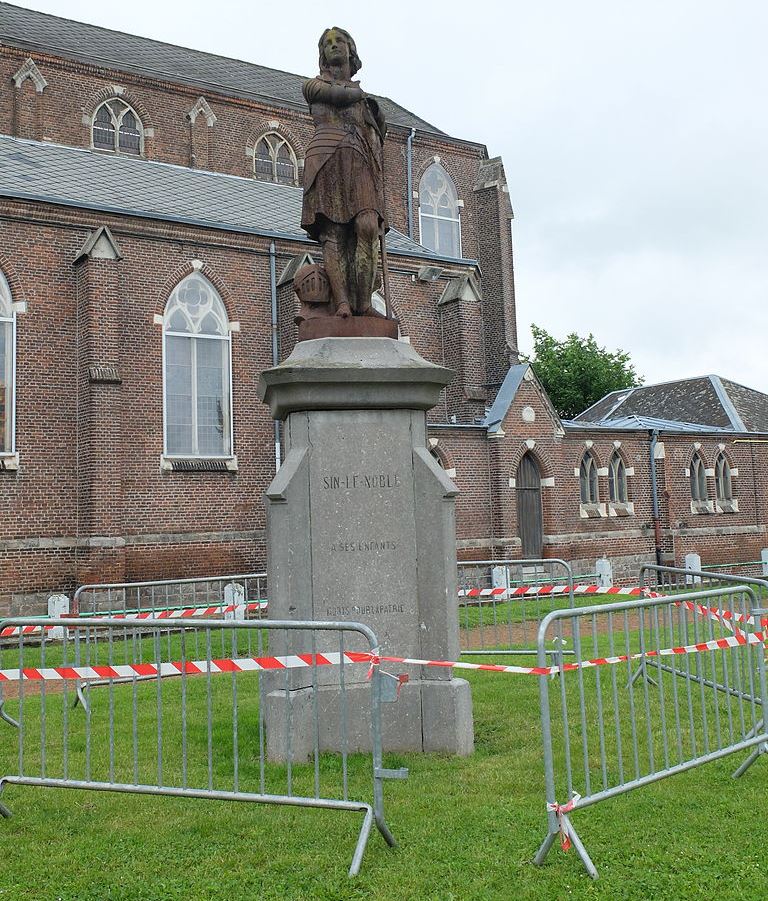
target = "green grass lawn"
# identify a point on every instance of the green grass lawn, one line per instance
(467, 828)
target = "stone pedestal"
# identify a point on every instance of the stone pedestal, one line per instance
(361, 527)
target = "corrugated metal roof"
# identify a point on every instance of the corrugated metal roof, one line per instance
(113, 183)
(32, 30)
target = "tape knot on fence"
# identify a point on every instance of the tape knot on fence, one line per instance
(375, 661)
(560, 810)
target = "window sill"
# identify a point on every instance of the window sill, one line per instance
(198, 464)
(9, 462)
(702, 507)
(592, 511)
(621, 508)
(729, 506)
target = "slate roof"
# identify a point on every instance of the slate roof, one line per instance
(704, 403)
(504, 399)
(32, 30)
(112, 183)
(644, 423)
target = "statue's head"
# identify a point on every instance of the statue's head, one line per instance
(337, 47)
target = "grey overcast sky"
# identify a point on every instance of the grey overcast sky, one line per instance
(634, 137)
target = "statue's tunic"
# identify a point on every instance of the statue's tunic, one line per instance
(343, 164)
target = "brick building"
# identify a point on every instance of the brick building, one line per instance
(150, 200)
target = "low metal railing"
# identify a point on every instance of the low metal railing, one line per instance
(657, 686)
(216, 717)
(505, 622)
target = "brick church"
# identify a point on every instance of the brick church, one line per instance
(151, 200)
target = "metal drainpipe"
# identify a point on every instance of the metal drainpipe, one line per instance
(409, 179)
(655, 496)
(275, 346)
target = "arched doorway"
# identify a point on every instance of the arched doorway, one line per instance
(530, 525)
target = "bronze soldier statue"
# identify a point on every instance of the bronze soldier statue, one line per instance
(343, 181)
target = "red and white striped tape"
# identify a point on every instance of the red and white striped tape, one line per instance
(249, 664)
(730, 641)
(175, 613)
(177, 668)
(503, 594)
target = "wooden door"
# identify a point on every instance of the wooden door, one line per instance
(530, 525)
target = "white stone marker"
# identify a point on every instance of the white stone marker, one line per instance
(693, 561)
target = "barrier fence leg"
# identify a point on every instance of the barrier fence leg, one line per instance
(760, 749)
(580, 849)
(362, 841)
(6, 717)
(4, 812)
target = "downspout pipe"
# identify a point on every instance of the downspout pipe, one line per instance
(409, 179)
(275, 338)
(654, 435)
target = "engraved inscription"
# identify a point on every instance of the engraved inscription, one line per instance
(365, 610)
(347, 546)
(354, 480)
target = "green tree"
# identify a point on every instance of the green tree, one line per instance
(577, 372)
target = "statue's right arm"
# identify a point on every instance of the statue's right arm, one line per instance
(318, 91)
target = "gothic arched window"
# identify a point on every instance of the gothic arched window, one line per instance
(698, 479)
(7, 367)
(723, 486)
(197, 364)
(617, 480)
(274, 160)
(116, 127)
(588, 479)
(439, 218)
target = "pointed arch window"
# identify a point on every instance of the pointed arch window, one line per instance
(439, 216)
(116, 127)
(617, 480)
(197, 367)
(723, 485)
(698, 479)
(588, 479)
(7, 368)
(274, 160)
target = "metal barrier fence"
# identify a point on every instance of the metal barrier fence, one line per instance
(493, 624)
(606, 732)
(202, 733)
(169, 594)
(675, 578)
(754, 568)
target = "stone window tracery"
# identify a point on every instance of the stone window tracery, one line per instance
(197, 366)
(588, 479)
(274, 160)
(617, 480)
(116, 127)
(723, 484)
(7, 367)
(439, 215)
(698, 479)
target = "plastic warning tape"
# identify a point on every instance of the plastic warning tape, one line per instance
(250, 664)
(547, 590)
(730, 641)
(178, 668)
(175, 613)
